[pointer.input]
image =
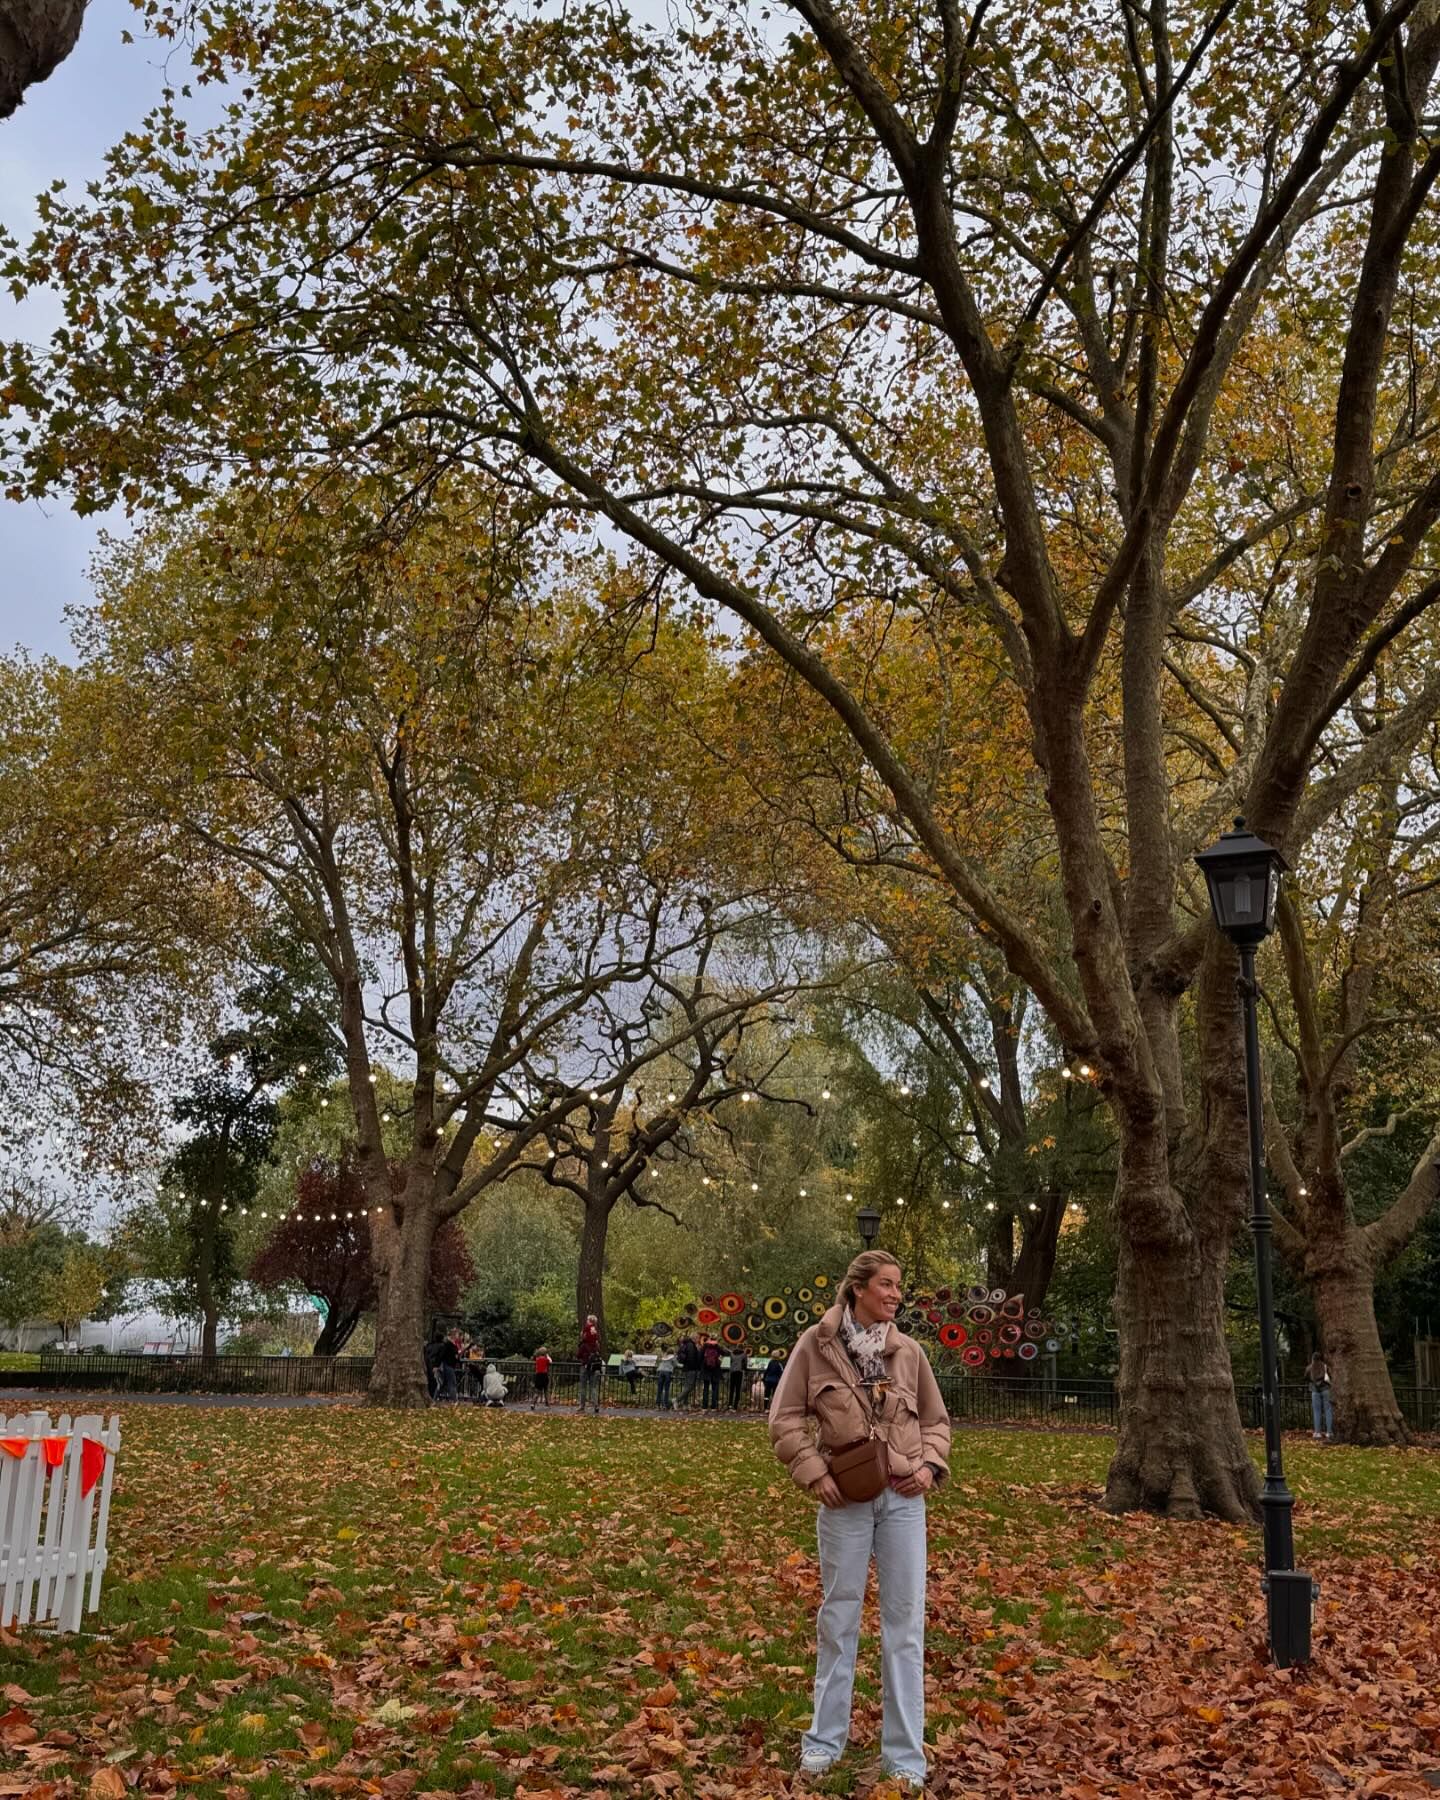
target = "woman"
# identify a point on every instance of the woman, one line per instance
(664, 1376)
(855, 1375)
(1322, 1409)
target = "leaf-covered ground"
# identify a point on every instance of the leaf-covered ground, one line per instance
(468, 1602)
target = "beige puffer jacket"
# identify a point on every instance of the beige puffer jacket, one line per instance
(820, 1406)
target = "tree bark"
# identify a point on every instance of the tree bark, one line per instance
(1036, 1262)
(335, 1333)
(1343, 1284)
(1181, 1450)
(400, 1245)
(35, 38)
(590, 1280)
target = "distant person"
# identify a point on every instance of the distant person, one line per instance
(446, 1361)
(709, 1375)
(592, 1363)
(736, 1364)
(494, 1387)
(474, 1368)
(630, 1369)
(432, 1362)
(770, 1377)
(870, 1393)
(687, 1361)
(542, 1377)
(1322, 1410)
(664, 1377)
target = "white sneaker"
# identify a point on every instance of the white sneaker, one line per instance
(816, 1762)
(907, 1784)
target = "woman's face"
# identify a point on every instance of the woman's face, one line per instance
(881, 1295)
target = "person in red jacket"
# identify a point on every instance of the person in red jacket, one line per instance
(592, 1363)
(542, 1377)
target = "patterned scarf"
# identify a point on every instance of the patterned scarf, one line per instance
(866, 1345)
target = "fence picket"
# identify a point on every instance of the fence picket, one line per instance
(43, 1578)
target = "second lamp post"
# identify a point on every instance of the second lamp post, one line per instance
(1243, 874)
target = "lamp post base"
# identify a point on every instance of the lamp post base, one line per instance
(1290, 1596)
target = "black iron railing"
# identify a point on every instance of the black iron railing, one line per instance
(981, 1400)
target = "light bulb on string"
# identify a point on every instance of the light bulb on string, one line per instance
(672, 1098)
(985, 1083)
(989, 1206)
(899, 1202)
(824, 1093)
(1085, 1068)
(803, 1194)
(944, 1206)
(905, 1091)
(754, 1187)
(1066, 1075)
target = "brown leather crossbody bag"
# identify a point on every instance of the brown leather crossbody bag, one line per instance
(862, 1468)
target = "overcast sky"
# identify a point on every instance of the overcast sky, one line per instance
(62, 130)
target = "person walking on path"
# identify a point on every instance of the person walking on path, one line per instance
(709, 1375)
(1322, 1408)
(664, 1377)
(687, 1360)
(736, 1364)
(542, 1377)
(852, 1378)
(592, 1363)
(770, 1378)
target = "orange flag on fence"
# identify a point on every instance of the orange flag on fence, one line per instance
(55, 1448)
(16, 1446)
(92, 1462)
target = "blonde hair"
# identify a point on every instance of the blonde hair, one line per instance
(867, 1264)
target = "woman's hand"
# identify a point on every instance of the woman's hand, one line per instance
(827, 1491)
(920, 1482)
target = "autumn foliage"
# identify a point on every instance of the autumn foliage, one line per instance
(323, 1248)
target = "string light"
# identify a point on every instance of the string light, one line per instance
(905, 1092)
(985, 1083)
(672, 1098)
(945, 1206)
(1066, 1075)
(803, 1194)
(824, 1093)
(989, 1206)
(745, 1099)
(1084, 1068)
(754, 1187)
(899, 1202)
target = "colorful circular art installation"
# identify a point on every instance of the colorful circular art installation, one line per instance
(803, 1294)
(953, 1336)
(775, 1307)
(707, 1315)
(801, 1316)
(732, 1304)
(733, 1332)
(973, 1356)
(1028, 1352)
(821, 1281)
(756, 1321)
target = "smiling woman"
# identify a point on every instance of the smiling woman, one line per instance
(866, 1392)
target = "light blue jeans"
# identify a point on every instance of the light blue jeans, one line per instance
(891, 1528)
(1322, 1411)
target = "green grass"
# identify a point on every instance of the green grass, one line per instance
(467, 1601)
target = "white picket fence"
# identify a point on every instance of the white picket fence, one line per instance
(51, 1537)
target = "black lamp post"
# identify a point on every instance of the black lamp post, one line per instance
(1243, 874)
(867, 1223)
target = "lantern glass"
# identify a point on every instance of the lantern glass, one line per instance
(867, 1223)
(1243, 873)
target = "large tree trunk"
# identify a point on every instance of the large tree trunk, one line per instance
(335, 1333)
(205, 1279)
(1036, 1263)
(1343, 1284)
(590, 1280)
(1181, 1450)
(35, 38)
(400, 1245)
